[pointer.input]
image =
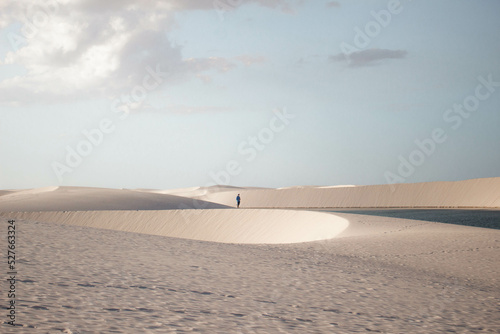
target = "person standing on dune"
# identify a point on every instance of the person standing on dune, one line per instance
(238, 200)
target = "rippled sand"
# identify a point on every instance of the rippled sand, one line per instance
(380, 275)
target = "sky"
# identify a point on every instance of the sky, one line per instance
(277, 93)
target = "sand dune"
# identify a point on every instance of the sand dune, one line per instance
(228, 226)
(172, 215)
(483, 193)
(81, 198)
(477, 193)
(5, 192)
(199, 191)
(79, 271)
(76, 279)
(163, 214)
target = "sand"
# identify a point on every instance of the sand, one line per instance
(87, 280)
(95, 268)
(218, 225)
(481, 193)
(83, 199)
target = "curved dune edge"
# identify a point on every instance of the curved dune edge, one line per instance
(252, 226)
(90, 199)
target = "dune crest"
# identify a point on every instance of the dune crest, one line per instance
(478, 193)
(205, 213)
(85, 198)
(252, 226)
(27, 192)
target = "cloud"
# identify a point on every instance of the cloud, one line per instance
(90, 48)
(222, 6)
(368, 57)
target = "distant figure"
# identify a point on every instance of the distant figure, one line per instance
(238, 200)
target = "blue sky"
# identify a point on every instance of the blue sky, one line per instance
(249, 93)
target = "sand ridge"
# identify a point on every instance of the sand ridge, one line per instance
(252, 226)
(86, 198)
(194, 192)
(203, 213)
(480, 193)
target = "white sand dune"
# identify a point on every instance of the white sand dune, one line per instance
(82, 198)
(481, 193)
(6, 192)
(466, 252)
(27, 192)
(172, 215)
(199, 191)
(185, 192)
(81, 271)
(380, 275)
(340, 186)
(97, 207)
(228, 226)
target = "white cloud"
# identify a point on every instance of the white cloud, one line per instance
(76, 49)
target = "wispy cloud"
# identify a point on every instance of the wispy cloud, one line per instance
(368, 57)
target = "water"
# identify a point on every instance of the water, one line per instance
(469, 217)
